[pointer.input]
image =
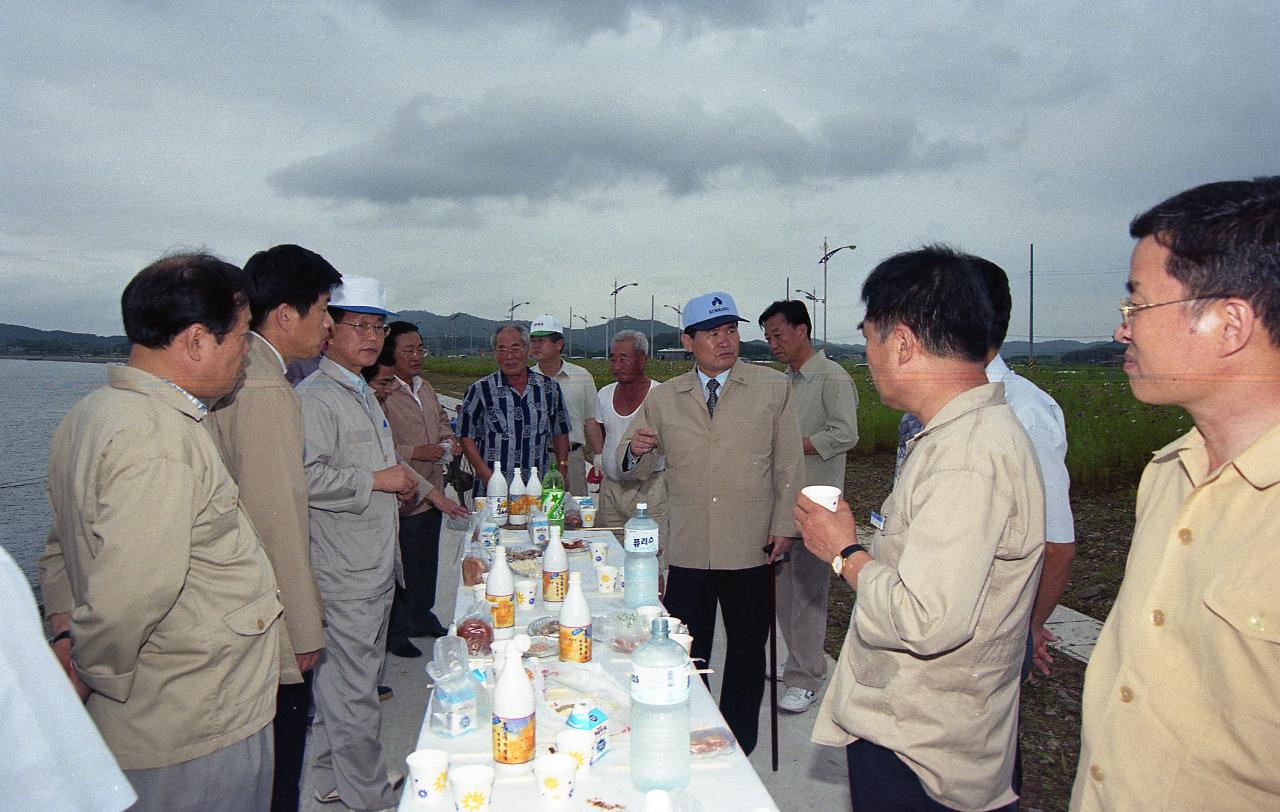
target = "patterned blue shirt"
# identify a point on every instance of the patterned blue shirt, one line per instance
(908, 427)
(511, 428)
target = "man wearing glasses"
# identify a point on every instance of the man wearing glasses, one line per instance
(509, 418)
(356, 488)
(1182, 694)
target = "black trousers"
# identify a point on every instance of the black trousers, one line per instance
(290, 733)
(743, 597)
(411, 614)
(879, 781)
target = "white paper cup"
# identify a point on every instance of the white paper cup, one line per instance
(481, 503)
(579, 745)
(526, 592)
(606, 579)
(588, 517)
(600, 552)
(685, 641)
(428, 774)
(825, 495)
(647, 615)
(555, 774)
(472, 786)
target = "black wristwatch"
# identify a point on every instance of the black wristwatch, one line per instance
(65, 634)
(837, 563)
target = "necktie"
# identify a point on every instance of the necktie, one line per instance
(712, 397)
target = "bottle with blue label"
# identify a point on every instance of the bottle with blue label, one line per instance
(640, 570)
(660, 712)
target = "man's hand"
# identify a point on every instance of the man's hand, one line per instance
(427, 452)
(61, 622)
(779, 545)
(1041, 659)
(397, 479)
(446, 505)
(307, 660)
(643, 441)
(825, 533)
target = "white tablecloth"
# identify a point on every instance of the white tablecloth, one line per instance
(726, 782)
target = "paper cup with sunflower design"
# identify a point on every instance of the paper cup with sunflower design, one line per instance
(472, 787)
(555, 774)
(428, 775)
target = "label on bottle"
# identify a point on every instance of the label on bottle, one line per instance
(489, 536)
(553, 505)
(641, 541)
(499, 506)
(513, 740)
(503, 608)
(575, 644)
(554, 586)
(660, 685)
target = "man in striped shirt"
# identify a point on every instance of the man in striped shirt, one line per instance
(509, 418)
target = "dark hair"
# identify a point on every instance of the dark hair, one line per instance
(287, 274)
(1225, 241)
(397, 328)
(371, 371)
(175, 292)
(940, 294)
(792, 311)
(997, 282)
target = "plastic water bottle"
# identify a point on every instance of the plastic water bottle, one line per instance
(495, 492)
(575, 624)
(514, 735)
(640, 570)
(500, 590)
(517, 505)
(659, 712)
(555, 574)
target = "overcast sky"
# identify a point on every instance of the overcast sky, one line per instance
(469, 152)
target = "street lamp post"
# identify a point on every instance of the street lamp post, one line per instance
(511, 311)
(586, 325)
(679, 325)
(614, 294)
(826, 255)
(453, 337)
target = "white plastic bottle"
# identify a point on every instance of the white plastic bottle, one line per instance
(534, 488)
(555, 574)
(575, 625)
(495, 491)
(640, 570)
(500, 591)
(659, 712)
(514, 739)
(517, 504)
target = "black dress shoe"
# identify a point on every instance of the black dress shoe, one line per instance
(432, 628)
(405, 649)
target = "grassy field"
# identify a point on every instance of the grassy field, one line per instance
(1110, 436)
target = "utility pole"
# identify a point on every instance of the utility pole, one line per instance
(652, 315)
(826, 255)
(1031, 305)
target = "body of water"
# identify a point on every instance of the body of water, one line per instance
(34, 397)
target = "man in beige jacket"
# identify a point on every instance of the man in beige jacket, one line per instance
(925, 695)
(161, 599)
(734, 463)
(258, 429)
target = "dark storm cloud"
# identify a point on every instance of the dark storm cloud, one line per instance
(583, 19)
(518, 143)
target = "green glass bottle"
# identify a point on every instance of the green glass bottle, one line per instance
(553, 496)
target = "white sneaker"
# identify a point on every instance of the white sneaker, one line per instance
(797, 700)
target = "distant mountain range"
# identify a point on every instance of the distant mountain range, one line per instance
(465, 334)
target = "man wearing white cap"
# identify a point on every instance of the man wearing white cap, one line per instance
(546, 343)
(734, 463)
(356, 488)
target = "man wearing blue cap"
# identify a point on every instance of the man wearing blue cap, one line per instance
(734, 464)
(356, 487)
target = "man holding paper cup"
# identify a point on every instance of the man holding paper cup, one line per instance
(925, 695)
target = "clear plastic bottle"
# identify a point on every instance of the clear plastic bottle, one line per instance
(533, 490)
(555, 574)
(659, 712)
(517, 503)
(640, 570)
(495, 492)
(500, 590)
(575, 624)
(514, 738)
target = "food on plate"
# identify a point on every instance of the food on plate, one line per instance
(574, 545)
(600, 803)
(625, 644)
(710, 741)
(542, 647)
(545, 627)
(525, 554)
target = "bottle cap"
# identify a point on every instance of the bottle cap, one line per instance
(642, 505)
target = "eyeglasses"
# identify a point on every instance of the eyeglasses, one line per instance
(366, 329)
(1128, 308)
(412, 350)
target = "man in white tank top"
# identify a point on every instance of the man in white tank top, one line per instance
(618, 403)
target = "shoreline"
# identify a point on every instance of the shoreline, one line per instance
(78, 359)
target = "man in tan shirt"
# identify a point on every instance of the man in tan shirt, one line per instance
(732, 445)
(1182, 694)
(161, 599)
(258, 429)
(925, 695)
(827, 408)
